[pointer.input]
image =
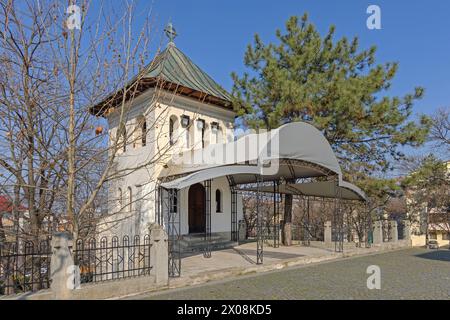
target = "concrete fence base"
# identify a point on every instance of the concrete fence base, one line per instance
(94, 291)
(65, 275)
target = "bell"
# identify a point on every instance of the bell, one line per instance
(98, 130)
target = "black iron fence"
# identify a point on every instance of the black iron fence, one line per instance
(401, 229)
(387, 231)
(104, 259)
(24, 266)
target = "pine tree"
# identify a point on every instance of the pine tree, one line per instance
(334, 86)
(428, 190)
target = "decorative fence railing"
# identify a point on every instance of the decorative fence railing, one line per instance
(106, 259)
(24, 266)
(401, 230)
(387, 233)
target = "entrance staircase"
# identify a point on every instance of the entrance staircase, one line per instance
(195, 243)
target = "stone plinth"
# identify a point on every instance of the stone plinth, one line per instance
(159, 255)
(378, 232)
(327, 233)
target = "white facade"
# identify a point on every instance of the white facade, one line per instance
(132, 194)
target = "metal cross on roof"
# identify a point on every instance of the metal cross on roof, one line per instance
(170, 32)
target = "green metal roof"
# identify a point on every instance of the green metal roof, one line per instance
(174, 69)
(174, 66)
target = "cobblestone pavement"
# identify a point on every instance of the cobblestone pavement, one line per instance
(414, 273)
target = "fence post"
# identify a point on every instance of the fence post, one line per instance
(62, 269)
(406, 230)
(242, 230)
(394, 231)
(378, 232)
(159, 255)
(327, 233)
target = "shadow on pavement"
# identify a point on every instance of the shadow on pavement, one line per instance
(269, 254)
(440, 254)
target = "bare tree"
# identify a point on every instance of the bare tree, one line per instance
(29, 154)
(61, 158)
(440, 130)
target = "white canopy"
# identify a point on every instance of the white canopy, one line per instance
(325, 189)
(294, 141)
(295, 150)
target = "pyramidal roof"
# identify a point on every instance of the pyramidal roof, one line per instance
(173, 66)
(172, 70)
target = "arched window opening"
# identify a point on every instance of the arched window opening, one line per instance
(216, 132)
(130, 199)
(140, 134)
(201, 125)
(218, 201)
(190, 137)
(119, 198)
(143, 127)
(174, 204)
(173, 127)
(186, 125)
(214, 129)
(122, 138)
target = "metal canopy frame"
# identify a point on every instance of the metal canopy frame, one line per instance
(173, 220)
(234, 222)
(276, 214)
(207, 185)
(259, 225)
(338, 221)
(306, 222)
(168, 213)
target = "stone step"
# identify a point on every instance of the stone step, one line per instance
(196, 242)
(213, 246)
(200, 239)
(203, 243)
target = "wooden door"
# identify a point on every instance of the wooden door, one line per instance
(197, 222)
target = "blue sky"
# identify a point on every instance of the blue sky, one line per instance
(214, 34)
(414, 33)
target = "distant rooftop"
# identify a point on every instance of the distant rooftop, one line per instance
(6, 205)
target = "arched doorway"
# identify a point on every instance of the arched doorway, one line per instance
(197, 222)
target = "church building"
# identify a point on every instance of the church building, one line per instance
(176, 108)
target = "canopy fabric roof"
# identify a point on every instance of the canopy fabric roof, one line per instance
(242, 174)
(295, 150)
(211, 173)
(325, 189)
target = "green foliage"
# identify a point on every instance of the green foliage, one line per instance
(334, 86)
(379, 191)
(377, 188)
(428, 189)
(431, 175)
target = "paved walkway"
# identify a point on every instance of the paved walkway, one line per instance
(413, 273)
(241, 260)
(245, 256)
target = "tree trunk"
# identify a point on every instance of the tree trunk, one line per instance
(71, 135)
(427, 222)
(287, 221)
